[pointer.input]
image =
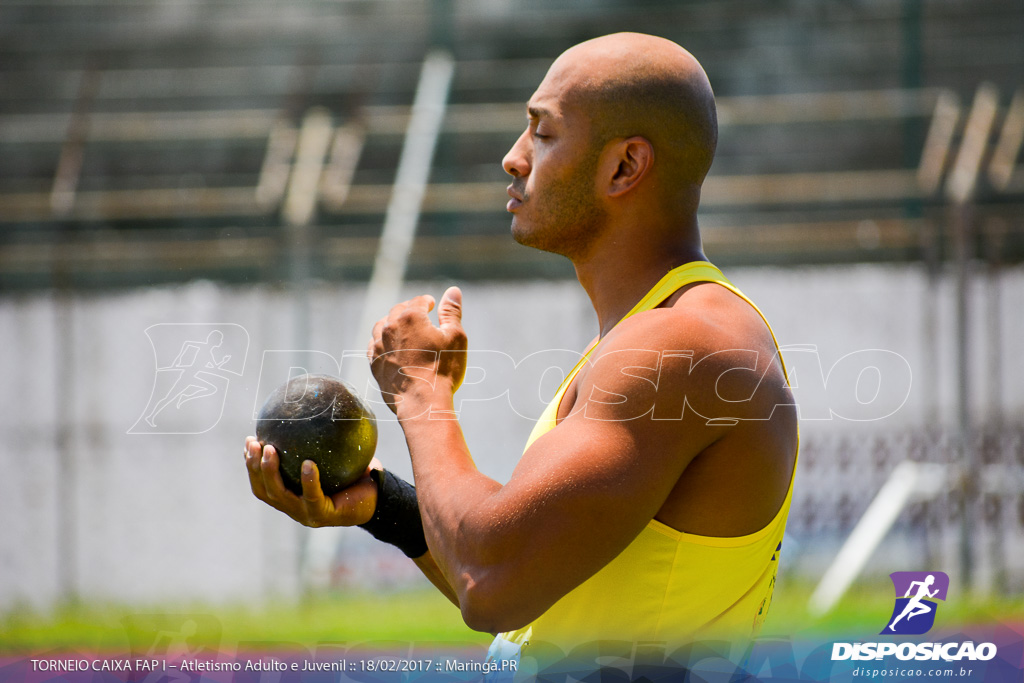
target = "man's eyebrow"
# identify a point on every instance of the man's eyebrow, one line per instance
(537, 112)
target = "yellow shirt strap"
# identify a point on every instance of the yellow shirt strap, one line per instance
(675, 279)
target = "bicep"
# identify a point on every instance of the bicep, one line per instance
(590, 485)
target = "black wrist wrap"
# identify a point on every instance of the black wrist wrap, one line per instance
(397, 518)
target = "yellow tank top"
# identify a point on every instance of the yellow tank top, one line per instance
(666, 587)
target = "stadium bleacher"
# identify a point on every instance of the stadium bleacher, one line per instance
(147, 143)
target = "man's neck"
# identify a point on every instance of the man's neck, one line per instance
(617, 278)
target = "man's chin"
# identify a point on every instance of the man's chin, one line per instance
(523, 236)
(532, 240)
(519, 233)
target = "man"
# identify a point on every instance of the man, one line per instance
(651, 499)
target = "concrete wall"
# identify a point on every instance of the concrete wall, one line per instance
(161, 514)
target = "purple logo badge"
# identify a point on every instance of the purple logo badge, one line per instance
(916, 593)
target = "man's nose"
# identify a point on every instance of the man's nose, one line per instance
(517, 162)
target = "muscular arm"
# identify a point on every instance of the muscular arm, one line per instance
(581, 492)
(578, 497)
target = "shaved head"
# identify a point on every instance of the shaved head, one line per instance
(632, 84)
(620, 133)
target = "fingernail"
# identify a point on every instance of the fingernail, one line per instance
(266, 456)
(307, 467)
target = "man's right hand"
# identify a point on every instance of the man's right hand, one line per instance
(349, 507)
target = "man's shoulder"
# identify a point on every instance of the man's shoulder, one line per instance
(707, 321)
(713, 350)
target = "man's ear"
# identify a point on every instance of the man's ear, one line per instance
(631, 158)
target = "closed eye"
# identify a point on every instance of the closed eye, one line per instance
(536, 131)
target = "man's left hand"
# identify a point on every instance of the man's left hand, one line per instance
(411, 358)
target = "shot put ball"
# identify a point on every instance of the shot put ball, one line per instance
(318, 418)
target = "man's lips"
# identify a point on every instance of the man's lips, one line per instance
(516, 199)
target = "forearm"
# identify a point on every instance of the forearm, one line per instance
(428, 566)
(458, 503)
(453, 494)
(396, 520)
(482, 535)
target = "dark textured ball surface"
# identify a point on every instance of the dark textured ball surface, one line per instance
(318, 418)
